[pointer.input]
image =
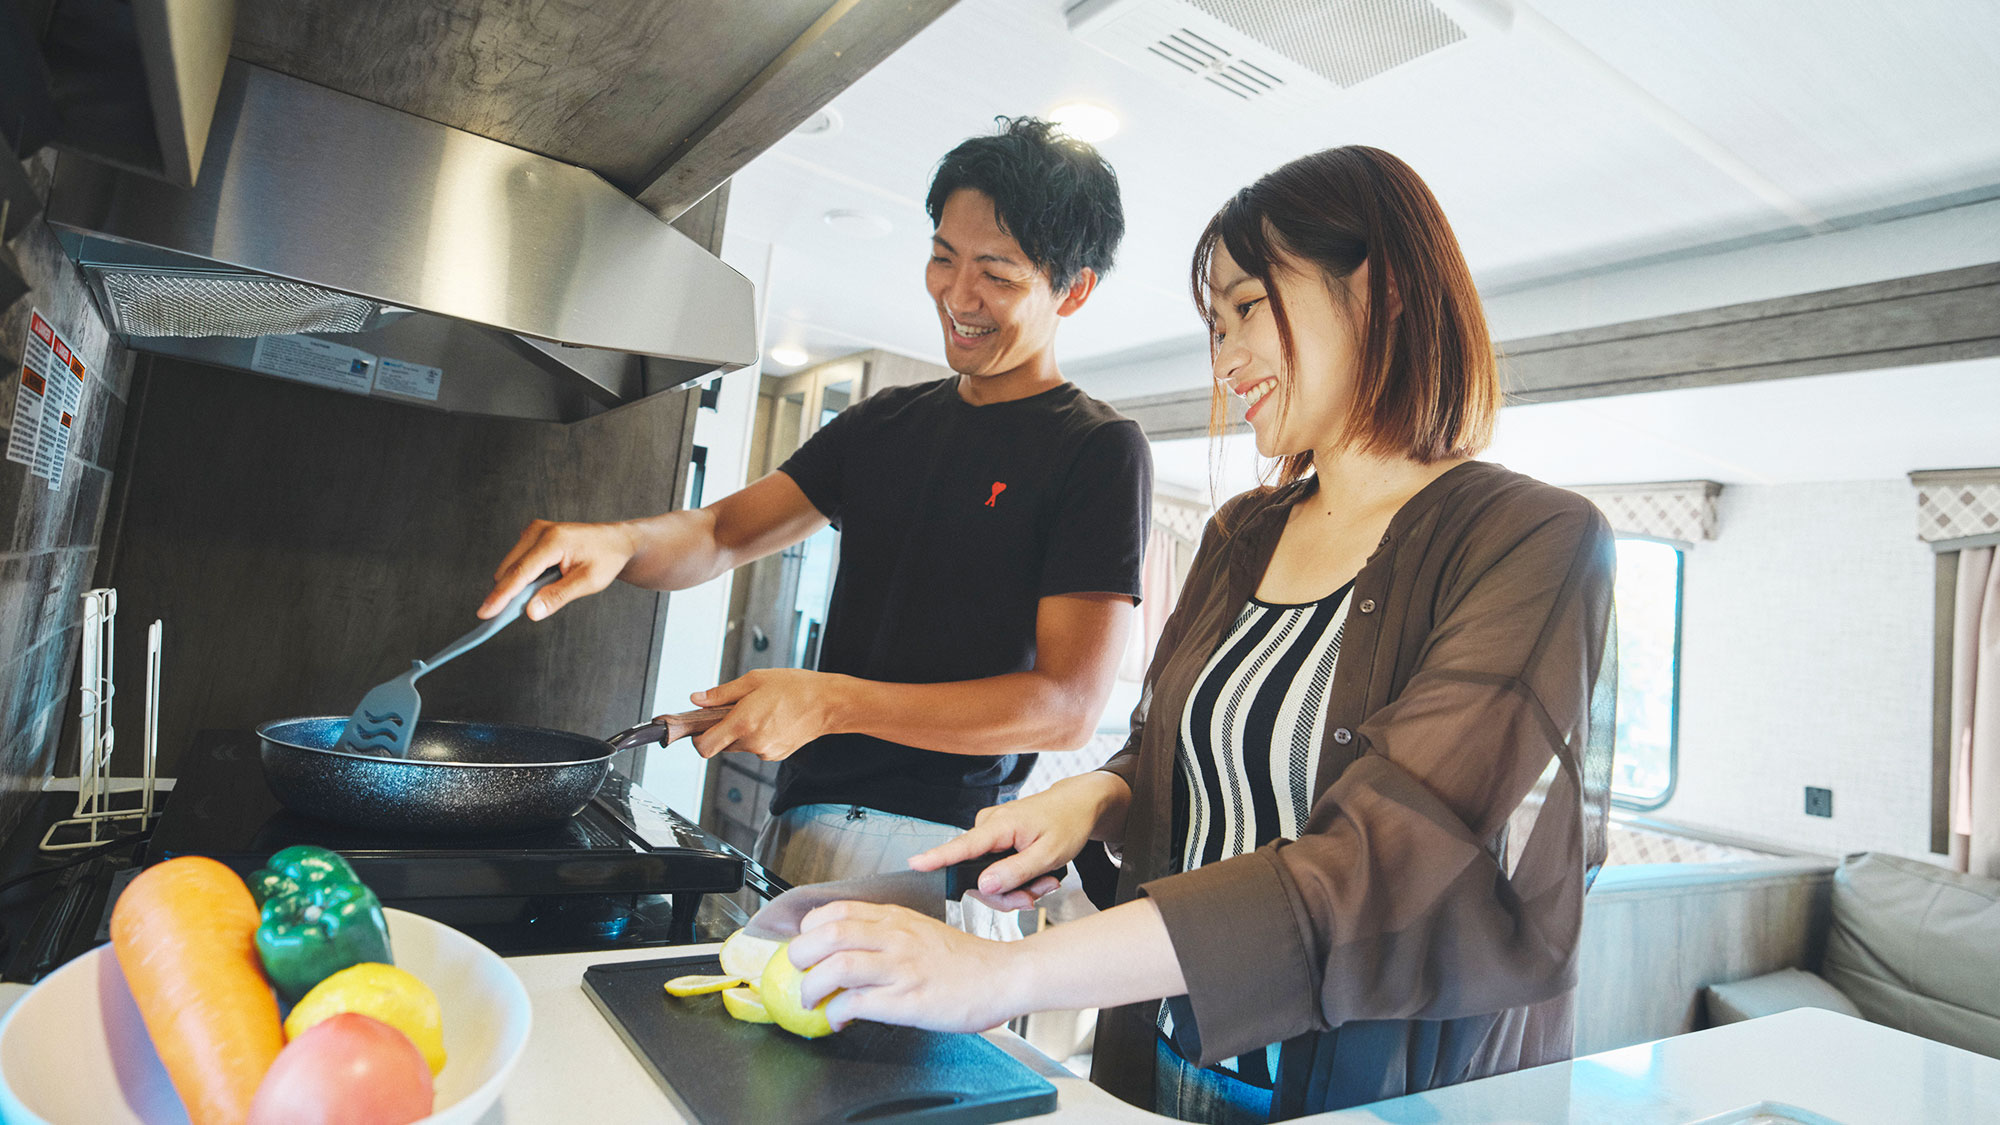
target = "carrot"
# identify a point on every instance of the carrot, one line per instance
(185, 934)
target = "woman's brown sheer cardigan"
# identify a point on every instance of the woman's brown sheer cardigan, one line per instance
(1407, 939)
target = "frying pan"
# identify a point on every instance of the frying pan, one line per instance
(460, 777)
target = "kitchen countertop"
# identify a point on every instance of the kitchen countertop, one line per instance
(1846, 1071)
(1837, 1069)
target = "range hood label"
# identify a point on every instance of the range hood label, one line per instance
(28, 398)
(319, 362)
(45, 405)
(399, 377)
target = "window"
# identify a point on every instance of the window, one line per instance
(1648, 595)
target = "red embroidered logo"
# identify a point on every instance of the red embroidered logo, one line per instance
(998, 488)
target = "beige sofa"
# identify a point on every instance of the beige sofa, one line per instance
(1667, 948)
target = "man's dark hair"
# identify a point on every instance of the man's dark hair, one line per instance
(1054, 194)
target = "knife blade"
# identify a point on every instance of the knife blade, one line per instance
(925, 892)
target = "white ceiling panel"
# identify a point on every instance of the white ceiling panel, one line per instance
(1850, 105)
(1549, 160)
(1538, 166)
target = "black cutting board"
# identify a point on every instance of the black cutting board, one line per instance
(722, 1071)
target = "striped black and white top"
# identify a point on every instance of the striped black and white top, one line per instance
(1250, 737)
(1249, 747)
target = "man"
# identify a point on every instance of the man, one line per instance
(991, 531)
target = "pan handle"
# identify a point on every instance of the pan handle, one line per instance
(670, 728)
(687, 724)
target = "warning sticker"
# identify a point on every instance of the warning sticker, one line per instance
(308, 360)
(27, 431)
(60, 457)
(60, 404)
(46, 404)
(399, 377)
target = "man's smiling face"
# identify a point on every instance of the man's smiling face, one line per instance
(996, 307)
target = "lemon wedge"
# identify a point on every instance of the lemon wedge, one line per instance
(745, 956)
(780, 988)
(700, 986)
(745, 1005)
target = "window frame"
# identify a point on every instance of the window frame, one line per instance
(1633, 804)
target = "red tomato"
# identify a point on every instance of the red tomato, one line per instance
(346, 1070)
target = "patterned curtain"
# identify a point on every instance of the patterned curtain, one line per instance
(1958, 511)
(1678, 511)
(1957, 504)
(1169, 550)
(1975, 715)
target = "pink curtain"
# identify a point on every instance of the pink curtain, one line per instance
(1159, 586)
(1975, 716)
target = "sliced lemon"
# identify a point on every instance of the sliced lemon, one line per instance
(780, 987)
(700, 986)
(746, 956)
(745, 1005)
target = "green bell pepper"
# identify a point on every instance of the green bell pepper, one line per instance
(317, 919)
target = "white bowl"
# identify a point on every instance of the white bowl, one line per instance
(74, 1049)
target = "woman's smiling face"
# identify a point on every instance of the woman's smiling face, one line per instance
(1304, 408)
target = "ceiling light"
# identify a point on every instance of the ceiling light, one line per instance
(824, 123)
(857, 224)
(789, 356)
(1086, 122)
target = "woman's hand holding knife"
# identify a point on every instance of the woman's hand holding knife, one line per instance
(1045, 831)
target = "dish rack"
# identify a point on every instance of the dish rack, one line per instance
(97, 811)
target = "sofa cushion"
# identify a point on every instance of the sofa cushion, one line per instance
(1773, 992)
(1917, 947)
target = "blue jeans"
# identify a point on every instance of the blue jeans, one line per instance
(1184, 1090)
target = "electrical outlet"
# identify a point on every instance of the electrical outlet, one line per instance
(1819, 802)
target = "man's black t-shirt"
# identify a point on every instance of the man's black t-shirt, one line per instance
(955, 520)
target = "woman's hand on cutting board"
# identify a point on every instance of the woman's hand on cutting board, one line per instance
(774, 711)
(891, 964)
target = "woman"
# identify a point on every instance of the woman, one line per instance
(1371, 667)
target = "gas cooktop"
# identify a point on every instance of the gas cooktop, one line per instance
(627, 870)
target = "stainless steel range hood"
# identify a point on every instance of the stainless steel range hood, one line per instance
(318, 212)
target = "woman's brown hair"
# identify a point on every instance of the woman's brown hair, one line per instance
(1427, 387)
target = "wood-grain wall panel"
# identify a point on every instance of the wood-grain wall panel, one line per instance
(610, 85)
(303, 545)
(1928, 318)
(842, 45)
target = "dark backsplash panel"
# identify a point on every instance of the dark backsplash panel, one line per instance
(303, 545)
(49, 540)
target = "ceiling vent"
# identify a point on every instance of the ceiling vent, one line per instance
(1283, 56)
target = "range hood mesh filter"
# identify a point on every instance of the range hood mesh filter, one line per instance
(155, 303)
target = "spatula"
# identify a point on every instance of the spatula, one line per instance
(381, 726)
